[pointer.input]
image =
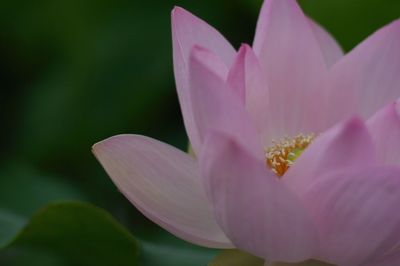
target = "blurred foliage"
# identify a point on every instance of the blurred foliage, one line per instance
(74, 234)
(23, 191)
(234, 257)
(166, 250)
(351, 21)
(79, 234)
(75, 72)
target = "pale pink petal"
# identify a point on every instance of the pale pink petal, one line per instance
(237, 74)
(357, 213)
(257, 213)
(385, 130)
(164, 184)
(187, 31)
(367, 78)
(247, 80)
(330, 48)
(210, 60)
(215, 105)
(346, 145)
(391, 259)
(294, 67)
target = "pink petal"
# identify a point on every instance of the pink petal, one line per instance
(237, 74)
(294, 67)
(247, 80)
(187, 31)
(329, 47)
(164, 184)
(357, 214)
(217, 107)
(368, 77)
(255, 210)
(391, 259)
(385, 130)
(346, 145)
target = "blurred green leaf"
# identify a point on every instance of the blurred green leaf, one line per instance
(10, 224)
(30, 256)
(22, 191)
(163, 249)
(74, 233)
(235, 257)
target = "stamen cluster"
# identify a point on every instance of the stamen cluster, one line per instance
(284, 152)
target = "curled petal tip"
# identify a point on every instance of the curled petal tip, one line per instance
(244, 46)
(207, 60)
(101, 144)
(243, 51)
(354, 123)
(177, 10)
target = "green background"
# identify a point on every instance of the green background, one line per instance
(75, 72)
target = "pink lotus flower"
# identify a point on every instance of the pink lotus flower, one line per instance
(297, 145)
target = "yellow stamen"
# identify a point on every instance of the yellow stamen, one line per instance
(284, 152)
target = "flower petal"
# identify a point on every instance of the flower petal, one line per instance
(294, 67)
(247, 80)
(330, 48)
(392, 259)
(187, 31)
(367, 78)
(357, 214)
(346, 145)
(164, 184)
(217, 107)
(385, 130)
(237, 74)
(257, 213)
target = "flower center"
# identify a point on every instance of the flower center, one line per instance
(284, 152)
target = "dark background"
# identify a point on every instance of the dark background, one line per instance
(74, 72)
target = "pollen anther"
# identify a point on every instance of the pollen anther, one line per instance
(284, 152)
